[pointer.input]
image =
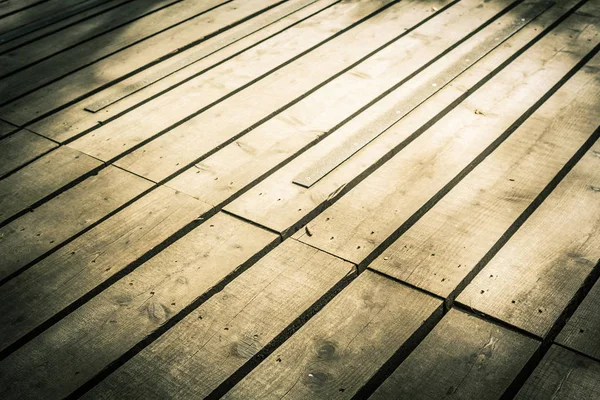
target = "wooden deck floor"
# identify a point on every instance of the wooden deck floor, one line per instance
(267, 199)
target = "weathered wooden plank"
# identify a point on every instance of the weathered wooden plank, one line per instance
(6, 128)
(282, 206)
(563, 374)
(135, 57)
(74, 35)
(86, 341)
(35, 181)
(205, 348)
(9, 7)
(21, 148)
(462, 357)
(583, 329)
(532, 279)
(7, 43)
(353, 227)
(173, 107)
(341, 347)
(443, 249)
(74, 120)
(88, 261)
(33, 234)
(241, 163)
(118, 43)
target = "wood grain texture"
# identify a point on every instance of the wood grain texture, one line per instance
(20, 148)
(13, 6)
(89, 339)
(32, 183)
(532, 279)
(342, 346)
(241, 163)
(71, 272)
(463, 357)
(35, 233)
(583, 329)
(74, 120)
(138, 55)
(563, 374)
(6, 129)
(440, 250)
(282, 206)
(183, 145)
(371, 212)
(211, 343)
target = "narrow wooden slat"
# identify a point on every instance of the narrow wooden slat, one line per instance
(86, 341)
(206, 347)
(174, 107)
(74, 120)
(35, 181)
(7, 44)
(65, 276)
(9, 7)
(282, 206)
(462, 357)
(128, 60)
(243, 162)
(532, 279)
(341, 347)
(33, 234)
(6, 128)
(372, 212)
(444, 247)
(583, 329)
(77, 34)
(563, 374)
(21, 148)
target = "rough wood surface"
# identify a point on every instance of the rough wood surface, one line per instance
(96, 334)
(20, 190)
(239, 164)
(532, 279)
(279, 204)
(371, 212)
(47, 226)
(20, 148)
(6, 128)
(132, 58)
(463, 357)
(76, 269)
(9, 7)
(442, 249)
(74, 120)
(211, 343)
(583, 329)
(563, 374)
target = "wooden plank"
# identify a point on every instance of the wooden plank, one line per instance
(70, 273)
(20, 148)
(583, 329)
(462, 357)
(35, 181)
(353, 227)
(120, 91)
(195, 356)
(7, 44)
(313, 115)
(9, 7)
(6, 128)
(32, 235)
(235, 167)
(82, 344)
(126, 61)
(463, 226)
(75, 35)
(74, 120)
(339, 349)
(563, 374)
(282, 206)
(533, 278)
(173, 107)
